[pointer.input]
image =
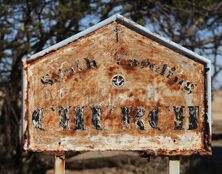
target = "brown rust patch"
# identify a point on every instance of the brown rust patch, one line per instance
(173, 85)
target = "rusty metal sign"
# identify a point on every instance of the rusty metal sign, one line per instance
(117, 86)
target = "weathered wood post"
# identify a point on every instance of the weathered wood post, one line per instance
(174, 165)
(117, 86)
(59, 164)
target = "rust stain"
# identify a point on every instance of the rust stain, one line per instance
(99, 94)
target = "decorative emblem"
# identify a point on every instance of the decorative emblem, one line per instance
(118, 81)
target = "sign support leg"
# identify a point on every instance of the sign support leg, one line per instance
(59, 164)
(174, 166)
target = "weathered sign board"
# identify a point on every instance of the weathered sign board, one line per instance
(117, 86)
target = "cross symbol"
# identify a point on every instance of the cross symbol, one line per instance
(117, 33)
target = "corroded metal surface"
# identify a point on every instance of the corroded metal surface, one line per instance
(116, 89)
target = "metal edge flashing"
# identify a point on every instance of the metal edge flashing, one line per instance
(209, 112)
(24, 121)
(207, 126)
(154, 153)
(209, 96)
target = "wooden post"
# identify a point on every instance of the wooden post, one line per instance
(174, 166)
(59, 164)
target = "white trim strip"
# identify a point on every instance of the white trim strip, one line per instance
(209, 116)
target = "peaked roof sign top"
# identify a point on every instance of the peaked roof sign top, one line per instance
(128, 23)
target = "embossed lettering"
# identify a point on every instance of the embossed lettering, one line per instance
(179, 117)
(37, 118)
(96, 112)
(125, 115)
(140, 112)
(153, 118)
(193, 115)
(79, 118)
(64, 118)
